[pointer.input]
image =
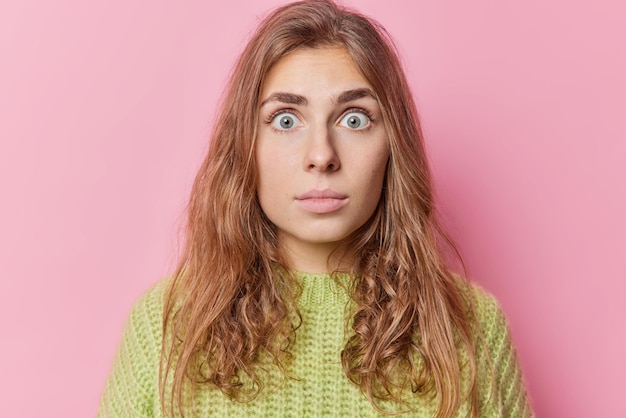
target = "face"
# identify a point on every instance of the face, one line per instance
(321, 150)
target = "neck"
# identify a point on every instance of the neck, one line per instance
(314, 257)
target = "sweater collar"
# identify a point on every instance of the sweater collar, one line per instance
(324, 289)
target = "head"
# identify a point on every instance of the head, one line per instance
(226, 279)
(316, 25)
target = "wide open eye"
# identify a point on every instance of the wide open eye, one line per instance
(285, 121)
(355, 120)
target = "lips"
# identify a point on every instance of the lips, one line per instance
(321, 201)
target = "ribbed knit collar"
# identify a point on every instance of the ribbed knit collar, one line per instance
(323, 289)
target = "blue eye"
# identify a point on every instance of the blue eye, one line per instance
(285, 121)
(355, 120)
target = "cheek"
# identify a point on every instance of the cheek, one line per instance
(274, 176)
(266, 157)
(379, 165)
(380, 172)
(275, 150)
(372, 180)
(263, 181)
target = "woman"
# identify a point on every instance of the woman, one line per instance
(312, 281)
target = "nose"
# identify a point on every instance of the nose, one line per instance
(320, 154)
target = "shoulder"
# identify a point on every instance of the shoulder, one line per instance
(489, 321)
(145, 322)
(489, 314)
(149, 307)
(143, 331)
(132, 384)
(500, 378)
(142, 337)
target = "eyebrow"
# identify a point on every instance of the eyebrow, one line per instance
(350, 95)
(288, 98)
(296, 99)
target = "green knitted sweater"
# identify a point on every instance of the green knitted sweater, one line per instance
(320, 388)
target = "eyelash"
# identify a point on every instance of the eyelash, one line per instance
(271, 117)
(359, 110)
(362, 110)
(367, 113)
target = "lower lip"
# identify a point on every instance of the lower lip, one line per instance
(323, 205)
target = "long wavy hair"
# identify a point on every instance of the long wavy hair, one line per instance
(229, 305)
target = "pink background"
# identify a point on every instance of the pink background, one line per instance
(104, 113)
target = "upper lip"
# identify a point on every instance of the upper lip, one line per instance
(321, 194)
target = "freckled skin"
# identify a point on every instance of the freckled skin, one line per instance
(318, 144)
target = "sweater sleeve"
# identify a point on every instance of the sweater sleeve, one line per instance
(132, 386)
(508, 395)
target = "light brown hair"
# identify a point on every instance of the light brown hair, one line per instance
(228, 305)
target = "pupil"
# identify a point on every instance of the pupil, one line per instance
(285, 122)
(354, 122)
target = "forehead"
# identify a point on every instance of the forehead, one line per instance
(313, 71)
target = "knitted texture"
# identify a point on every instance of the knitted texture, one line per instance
(318, 387)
